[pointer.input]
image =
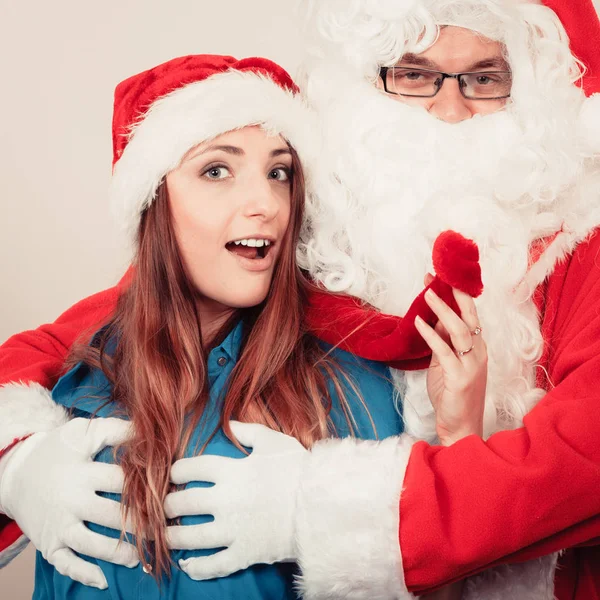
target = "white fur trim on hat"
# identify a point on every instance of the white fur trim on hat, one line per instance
(27, 409)
(197, 113)
(589, 124)
(348, 519)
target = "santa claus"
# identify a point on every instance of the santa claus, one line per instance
(468, 115)
(424, 135)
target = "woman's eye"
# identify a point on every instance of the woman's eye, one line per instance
(216, 173)
(280, 174)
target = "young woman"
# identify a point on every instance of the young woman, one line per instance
(210, 326)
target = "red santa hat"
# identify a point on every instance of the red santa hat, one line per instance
(160, 114)
(580, 19)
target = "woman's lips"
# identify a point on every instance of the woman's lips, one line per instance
(250, 257)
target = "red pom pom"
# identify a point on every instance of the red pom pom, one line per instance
(456, 261)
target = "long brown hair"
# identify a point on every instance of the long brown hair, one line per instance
(159, 371)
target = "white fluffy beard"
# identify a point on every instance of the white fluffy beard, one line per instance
(401, 178)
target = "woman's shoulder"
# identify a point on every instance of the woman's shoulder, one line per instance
(368, 393)
(363, 369)
(85, 390)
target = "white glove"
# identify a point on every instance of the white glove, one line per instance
(49, 487)
(253, 503)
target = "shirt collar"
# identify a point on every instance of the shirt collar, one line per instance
(231, 345)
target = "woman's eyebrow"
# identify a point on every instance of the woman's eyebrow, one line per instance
(235, 150)
(280, 151)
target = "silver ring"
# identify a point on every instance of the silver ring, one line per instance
(477, 331)
(463, 352)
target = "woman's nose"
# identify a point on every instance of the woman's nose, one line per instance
(262, 200)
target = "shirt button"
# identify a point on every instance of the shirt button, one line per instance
(222, 361)
(147, 569)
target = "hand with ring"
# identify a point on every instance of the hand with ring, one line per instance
(457, 376)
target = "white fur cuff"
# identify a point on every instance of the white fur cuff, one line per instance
(27, 409)
(348, 519)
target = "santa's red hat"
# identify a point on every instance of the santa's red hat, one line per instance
(580, 19)
(160, 114)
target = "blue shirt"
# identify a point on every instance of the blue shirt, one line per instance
(86, 391)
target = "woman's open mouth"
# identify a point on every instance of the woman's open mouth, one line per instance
(251, 248)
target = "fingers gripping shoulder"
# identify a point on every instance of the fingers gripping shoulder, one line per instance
(27, 408)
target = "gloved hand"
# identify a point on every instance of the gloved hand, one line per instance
(49, 487)
(253, 503)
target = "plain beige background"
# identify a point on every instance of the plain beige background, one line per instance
(59, 63)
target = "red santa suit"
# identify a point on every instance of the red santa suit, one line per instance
(524, 185)
(519, 495)
(551, 465)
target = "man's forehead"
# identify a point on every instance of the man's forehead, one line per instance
(460, 50)
(419, 60)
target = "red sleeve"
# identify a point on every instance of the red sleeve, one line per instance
(348, 323)
(523, 493)
(39, 355)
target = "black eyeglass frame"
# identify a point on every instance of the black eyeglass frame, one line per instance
(458, 76)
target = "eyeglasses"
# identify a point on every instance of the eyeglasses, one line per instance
(423, 83)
